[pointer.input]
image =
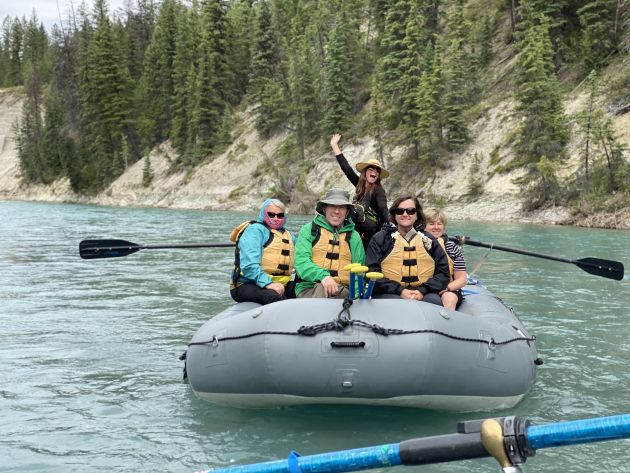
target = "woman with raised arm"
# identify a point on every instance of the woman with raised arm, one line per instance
(370, 199)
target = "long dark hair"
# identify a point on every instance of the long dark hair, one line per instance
(364, 187)
(421, 221)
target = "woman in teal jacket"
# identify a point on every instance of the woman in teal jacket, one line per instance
(264, 257)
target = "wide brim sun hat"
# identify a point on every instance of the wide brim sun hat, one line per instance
(334, 197)
(374, 163)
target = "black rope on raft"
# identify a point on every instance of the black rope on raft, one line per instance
(344, 321)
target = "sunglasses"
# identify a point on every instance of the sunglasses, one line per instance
(410, 211)
(374, 169)
(274, 215)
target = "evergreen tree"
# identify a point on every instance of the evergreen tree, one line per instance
(549, 14)
(618, 169)
(377, 119)
(544, 128)
(215, 77)
(5, 42)
(588, 121)
(305, 107)
(459, 74)
(339, 76)
(429, 131)
(105, 92)
(156, 88)
(240, 21)
(394, 49)
(35, 47)
(266, 86)
(139, 28)
(29, 131)
(16, 48)
(485, 41)
(147, 172)
(57, 149)
(597, 18)
(455, 97)
(412, 61)
(185, 64)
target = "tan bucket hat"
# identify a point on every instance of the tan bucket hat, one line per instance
(334, 196)
(374, 163)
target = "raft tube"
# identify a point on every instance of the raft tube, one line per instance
(388, 352)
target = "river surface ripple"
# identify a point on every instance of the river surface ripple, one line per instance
(89, 349)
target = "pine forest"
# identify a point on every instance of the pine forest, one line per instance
(103, 88)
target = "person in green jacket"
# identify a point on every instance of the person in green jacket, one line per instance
(325, 246)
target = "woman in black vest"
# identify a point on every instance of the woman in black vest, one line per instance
(370, 198)
(412, 261)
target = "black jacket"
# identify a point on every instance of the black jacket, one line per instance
(382, 244)
(378, 200)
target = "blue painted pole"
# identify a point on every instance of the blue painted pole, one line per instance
(351, 288)
(334, 462)
(579, 431)
(361, 286)
(466, 444)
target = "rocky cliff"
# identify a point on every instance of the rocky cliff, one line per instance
(240, 177)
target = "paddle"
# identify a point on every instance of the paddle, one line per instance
(600, 267)
(92, 249)
(510, 440)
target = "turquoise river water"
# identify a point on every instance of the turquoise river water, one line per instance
(91, 379)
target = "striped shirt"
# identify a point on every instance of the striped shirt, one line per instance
(455, 253)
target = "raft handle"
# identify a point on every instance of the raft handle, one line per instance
(347, 344)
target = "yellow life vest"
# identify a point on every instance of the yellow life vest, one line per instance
(333, 254)
(451, 269)
(408, 263)
(277, 256)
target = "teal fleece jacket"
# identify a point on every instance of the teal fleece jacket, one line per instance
(250, 247)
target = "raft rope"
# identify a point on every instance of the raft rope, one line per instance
(344, 320)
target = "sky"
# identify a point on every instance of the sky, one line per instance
(48, 11)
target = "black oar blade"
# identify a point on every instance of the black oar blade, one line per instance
(92, 249)
(602, 267)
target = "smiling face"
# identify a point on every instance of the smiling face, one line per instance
(372, 173)
(335, 214)
(436, 228)
(274, 216)
(404, 221)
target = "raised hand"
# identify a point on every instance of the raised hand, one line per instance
(334, 143)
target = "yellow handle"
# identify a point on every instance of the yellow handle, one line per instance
(348, 267)
(374, 275)
(358, 269)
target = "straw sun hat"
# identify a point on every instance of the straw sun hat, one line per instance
(374, 163)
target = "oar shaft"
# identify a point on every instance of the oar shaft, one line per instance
(579, 431)
(597, 266)
(466, 444)
(515, 250)
(334, 462)
(186, 245)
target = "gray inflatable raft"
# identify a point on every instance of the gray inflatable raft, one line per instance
(380, 352)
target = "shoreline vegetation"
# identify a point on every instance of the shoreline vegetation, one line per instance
(493, 111)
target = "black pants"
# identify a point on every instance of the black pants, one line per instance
(431, 298)
(249, 292)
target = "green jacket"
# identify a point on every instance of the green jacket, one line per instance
(308, 272)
